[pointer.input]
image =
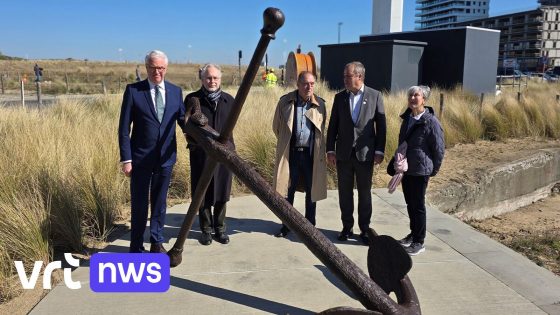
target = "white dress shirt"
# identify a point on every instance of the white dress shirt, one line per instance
(356, 99)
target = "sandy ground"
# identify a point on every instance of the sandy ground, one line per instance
(533, 230)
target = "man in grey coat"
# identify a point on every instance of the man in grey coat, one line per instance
(355, 142)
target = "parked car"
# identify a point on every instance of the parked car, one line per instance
(556, 70)
(551, 73)
(550, 78)
(518, 74)
(509, 74)
(545, 77)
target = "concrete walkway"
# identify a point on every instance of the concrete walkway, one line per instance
(461, 271)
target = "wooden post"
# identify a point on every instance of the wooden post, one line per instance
(66, 80)
(2, 82)
(39, 96)
(481, 105)
(22, 89)
(119, 83)
(441, 106)
(500, 83)
(519, 96)
(557, 97)
(103, 87)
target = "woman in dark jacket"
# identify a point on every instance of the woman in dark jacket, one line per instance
(425, 149)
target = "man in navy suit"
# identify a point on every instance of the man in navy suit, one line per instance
(148, 154)
(355, 142)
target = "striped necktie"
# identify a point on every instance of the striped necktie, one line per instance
(160, 106)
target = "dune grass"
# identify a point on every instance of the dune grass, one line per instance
(60, 183)
(59, 180)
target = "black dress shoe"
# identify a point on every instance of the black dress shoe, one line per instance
(365, 238)
(222, 237)
(205, 238)
(157, 248)
(137, 250)
(344, 235)
(283, 232)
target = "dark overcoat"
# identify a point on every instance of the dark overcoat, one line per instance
(217, 114)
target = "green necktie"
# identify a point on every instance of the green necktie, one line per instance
(160, 106)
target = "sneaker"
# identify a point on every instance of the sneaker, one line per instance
(405, 242)
(365, 238)
(415, 249)
(345, 234)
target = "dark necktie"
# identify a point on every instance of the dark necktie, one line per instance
(356, 109)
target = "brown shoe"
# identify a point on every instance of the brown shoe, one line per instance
(157, 248)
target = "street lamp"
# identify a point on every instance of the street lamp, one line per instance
(339, 25)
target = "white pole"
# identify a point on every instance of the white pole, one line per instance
(22, 94)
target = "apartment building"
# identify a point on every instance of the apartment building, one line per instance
(529, 40)
(437, 14)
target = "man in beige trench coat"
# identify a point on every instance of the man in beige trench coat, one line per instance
(299, 126)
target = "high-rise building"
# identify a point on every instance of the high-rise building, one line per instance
(387, 16)
(550, 2)
(436, 14)
(529, 40)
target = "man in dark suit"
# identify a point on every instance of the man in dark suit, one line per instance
(216, 105)
(148, 154)
(355, 142)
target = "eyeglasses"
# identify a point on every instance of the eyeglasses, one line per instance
(350, 76)
(212, 78)
(160, 69)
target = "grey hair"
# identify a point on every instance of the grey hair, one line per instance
(204, 69)
(155, 54)
(359, 68)
(425, 90)
(303, 74)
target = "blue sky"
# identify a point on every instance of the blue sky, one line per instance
(186, 30)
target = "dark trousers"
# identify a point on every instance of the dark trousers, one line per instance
(301, 165)
(414, 190)
(216, 222)
(362, 172)
(148, 186)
